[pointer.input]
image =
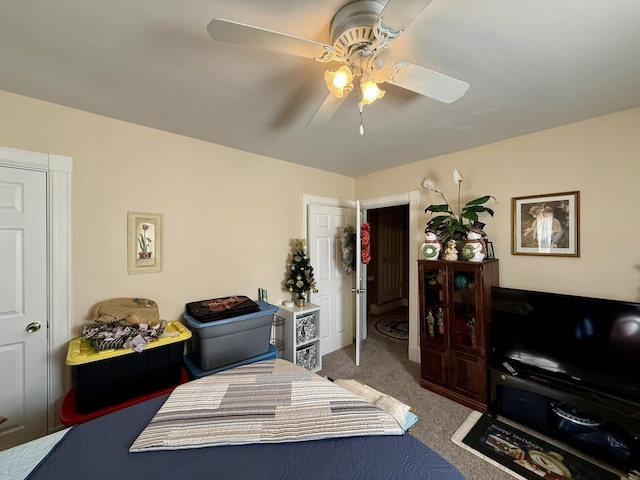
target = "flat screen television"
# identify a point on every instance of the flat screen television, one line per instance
(590, 343)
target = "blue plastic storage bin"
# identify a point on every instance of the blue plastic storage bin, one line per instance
(195, 372)
(224, 342)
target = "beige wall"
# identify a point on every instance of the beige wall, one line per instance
(600, 158)
(228, 215)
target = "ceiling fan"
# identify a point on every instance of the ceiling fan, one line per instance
(361, 32)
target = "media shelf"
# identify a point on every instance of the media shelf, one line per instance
(622, 416)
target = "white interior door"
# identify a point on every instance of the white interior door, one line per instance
(23, 305)
(325, 227)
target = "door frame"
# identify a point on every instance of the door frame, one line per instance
(58, 169)
(410, 198)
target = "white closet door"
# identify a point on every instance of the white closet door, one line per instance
(23, 305)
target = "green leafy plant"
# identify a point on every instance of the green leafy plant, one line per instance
(445, 222)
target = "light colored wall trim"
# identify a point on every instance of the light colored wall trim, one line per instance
(58, 169)
(411, 199)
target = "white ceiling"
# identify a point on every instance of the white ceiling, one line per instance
(532, 65)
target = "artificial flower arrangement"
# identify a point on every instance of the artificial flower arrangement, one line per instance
(448, 225)
(301, 279)
(365, 238)
(348, 241)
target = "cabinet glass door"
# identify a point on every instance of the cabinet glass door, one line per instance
(433, 321)
(464, 315)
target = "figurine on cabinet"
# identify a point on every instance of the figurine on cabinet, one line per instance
(471, 332)
(476, 248)
(431, 246)
(440, 321)
(451, 252)
(430, 324)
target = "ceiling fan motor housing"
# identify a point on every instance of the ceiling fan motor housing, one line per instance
(354, 25)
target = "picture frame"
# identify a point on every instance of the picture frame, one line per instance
(144, 242)
(546, 225)
(490, 254)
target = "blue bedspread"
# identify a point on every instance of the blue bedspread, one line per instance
(99, 450)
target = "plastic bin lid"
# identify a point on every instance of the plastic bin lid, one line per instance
(265, 309)
(80, 350)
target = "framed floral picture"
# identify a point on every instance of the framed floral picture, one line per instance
(546, 225)
(144, 235)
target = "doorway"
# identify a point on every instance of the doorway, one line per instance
(410, 199)
(388, 279)
(398, 214)
(388, 274)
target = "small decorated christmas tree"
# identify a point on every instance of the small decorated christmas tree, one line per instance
(300, 276)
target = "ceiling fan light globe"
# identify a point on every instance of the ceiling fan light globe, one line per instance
(370, 92)
(346, 73)
(339, 81)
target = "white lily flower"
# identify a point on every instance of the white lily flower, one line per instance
(457, 177)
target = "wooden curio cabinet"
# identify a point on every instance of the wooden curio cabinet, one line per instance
(455, 308)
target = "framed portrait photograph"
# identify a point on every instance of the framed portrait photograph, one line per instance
(490, 253)
(144, 248)
(546, 225)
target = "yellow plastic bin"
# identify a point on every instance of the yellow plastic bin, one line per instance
(108, 377)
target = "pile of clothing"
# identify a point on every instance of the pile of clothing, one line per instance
(124, 323)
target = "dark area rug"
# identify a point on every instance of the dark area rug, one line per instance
(396, 327)
(522, 454)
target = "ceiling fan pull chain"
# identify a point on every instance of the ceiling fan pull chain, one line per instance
(361, 130)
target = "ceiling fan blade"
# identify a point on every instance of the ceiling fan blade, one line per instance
(240, 33)
(326, 110)
(397, 15)
(429, 83)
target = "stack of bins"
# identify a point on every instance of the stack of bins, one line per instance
(108, 377)
(230, 341)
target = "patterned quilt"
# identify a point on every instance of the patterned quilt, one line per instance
(272, 401)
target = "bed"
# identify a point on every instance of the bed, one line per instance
(157, 439)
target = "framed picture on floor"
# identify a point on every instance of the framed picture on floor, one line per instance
(546, 225)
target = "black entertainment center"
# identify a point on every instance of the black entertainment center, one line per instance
(552, 355)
